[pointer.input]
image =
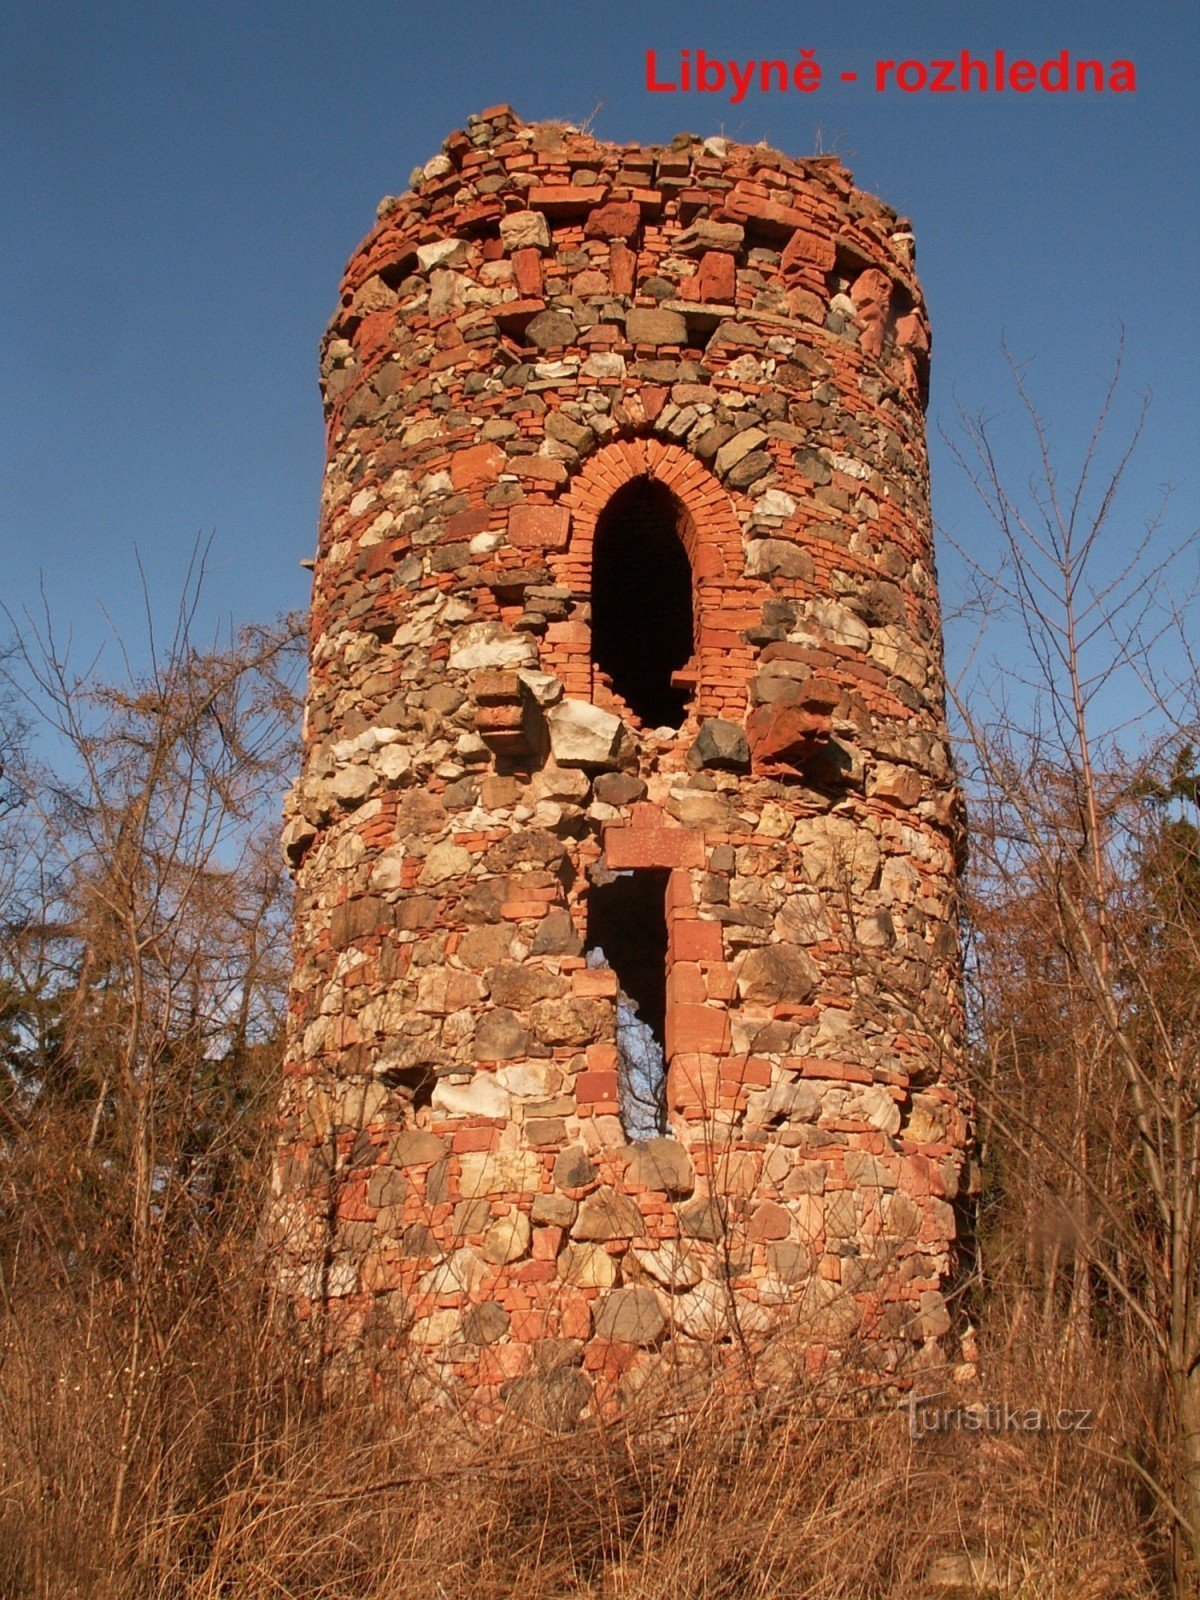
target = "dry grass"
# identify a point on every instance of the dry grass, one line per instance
(244, 1486)
(243, 1481)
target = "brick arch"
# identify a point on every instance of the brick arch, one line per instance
(712, 538)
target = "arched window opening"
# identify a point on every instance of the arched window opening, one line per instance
(642, 631)
(627, 931)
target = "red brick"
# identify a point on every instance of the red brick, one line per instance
(616, 220)
(527, 270)
(693, 1083)
(465, 524)
(622, 268)
(720, 982)
(786, 734)
(717, 277)
(685, 984)
(546, 1243)
(653, 847)
(566, 198)
(598, 982)
(373, 336)
(481, 464)
(696, 1029)
(474, 1139)
(808, 249)
(695, 941)
(591, 1087)
(499, 1362)
(534, 527)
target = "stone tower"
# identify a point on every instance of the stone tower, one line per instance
(626, 1013)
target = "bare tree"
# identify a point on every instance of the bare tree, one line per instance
(155, 930)
(1085, 928)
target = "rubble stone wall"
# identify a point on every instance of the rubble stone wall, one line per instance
(541, 321)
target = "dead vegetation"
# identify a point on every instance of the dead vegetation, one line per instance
(243, 1483)
(164, 1433)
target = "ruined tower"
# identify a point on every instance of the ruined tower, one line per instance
(626, 1010)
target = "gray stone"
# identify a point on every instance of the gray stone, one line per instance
(789, 1261)
(544, 688)
(827, 1311)
(572, 1022)
(608, 1215)
(297, 835)
(587, 1266)
(461, 1272)
(836, 764)
(619, 788)
(841, 1214)
(418, 1244)
(553, 1210)
(484, 1324)
(352, 784)
(437, 1182)
(774, 507)
(572, 1169)
(416, 1148)
(932, 1320)
(559, 426)
(355, 919)
(703, 1218)
(582, 735)
(660, 1164)
(672, 1265)
(507, 1239)
(901, 1216)
(443, 253)
(482, 1097)
(749, 469)
(500, 1037)
(794, 1099)
(814, 466)
(776, 557)
(488, 644)
(551, 330)
(556, 936)
(545, 1130)
(720, 745)
(631, 1316)
(704, 1312)
(552, 1401)
(470, 1216)
(775, 973)
(520, 987)
(655, 327)
(388, 871)
(739, 446)
(485, 946)
(559, 783)
(521, 230)
(445, 860)
(705, 235)
(386, 1187)
(873, 1105)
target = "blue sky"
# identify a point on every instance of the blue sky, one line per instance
(183, 183)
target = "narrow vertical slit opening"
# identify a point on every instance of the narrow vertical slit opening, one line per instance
(627, 931)
(642, 624)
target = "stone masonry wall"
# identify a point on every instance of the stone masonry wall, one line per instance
(541, 322)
